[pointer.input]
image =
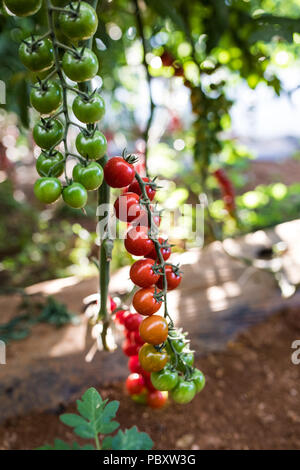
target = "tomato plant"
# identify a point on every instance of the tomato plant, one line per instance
(153, 344)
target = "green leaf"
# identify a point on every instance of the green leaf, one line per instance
(96, 416)
(131, 439)
(104, 423)
(72, 420)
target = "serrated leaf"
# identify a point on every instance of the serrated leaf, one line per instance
(91, 401)
(131, 439)
(104, 423)
(96, 416)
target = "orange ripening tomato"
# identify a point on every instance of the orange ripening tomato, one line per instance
(154, 329)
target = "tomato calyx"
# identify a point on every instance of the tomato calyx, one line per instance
(129, 157)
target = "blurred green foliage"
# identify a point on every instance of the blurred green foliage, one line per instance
(212, 45)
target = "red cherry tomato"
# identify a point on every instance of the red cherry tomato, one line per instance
(118, 173)
(137, 241)
(148, 384)
(142, 274)
(173, 279)
(113, 304)
(133, 321)
(157, 399)
(143, 219)
(120, 316)
(135, 337)
(144, 301)
(130, 349)
(127, 207)
(135, 383)
(135, 188)
(134, 365)
(165, 250)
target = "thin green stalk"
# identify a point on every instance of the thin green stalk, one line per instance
(140, 27)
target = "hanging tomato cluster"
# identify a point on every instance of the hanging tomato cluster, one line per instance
(57, 62)
(138, 383)
(162, 358)
(227, 189)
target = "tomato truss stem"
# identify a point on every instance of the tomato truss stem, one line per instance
(152, 233)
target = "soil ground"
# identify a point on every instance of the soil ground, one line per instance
(251, 400)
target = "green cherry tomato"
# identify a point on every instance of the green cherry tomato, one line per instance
(50, 164)
(198, 379)
(48, 133)
(184, 391)
(90, 176)
(75, 195)
(79, 22)
(80, 65)
(36, 55)
(89, 110)
(92, 146)
(47, 190)
(164, 380)
(140, 398)
(188, 359)
(23, 7)
(178, 344)
(46, 98)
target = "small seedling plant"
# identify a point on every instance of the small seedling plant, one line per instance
(95, 421)
(64, 62)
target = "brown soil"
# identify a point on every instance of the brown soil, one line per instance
(251, 400)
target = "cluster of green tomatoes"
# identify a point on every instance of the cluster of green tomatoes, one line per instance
(59, 65)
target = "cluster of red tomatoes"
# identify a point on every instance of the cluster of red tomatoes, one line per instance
(54, 62)
(227, 189)
(160, 359)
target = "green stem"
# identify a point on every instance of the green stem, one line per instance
(140, 27)
(104, 191)
(105, 254)
(98, 446)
